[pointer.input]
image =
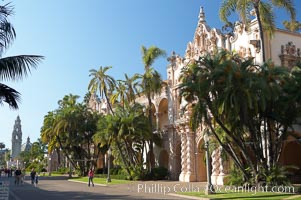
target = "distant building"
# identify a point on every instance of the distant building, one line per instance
(26, 146)
(16, 139)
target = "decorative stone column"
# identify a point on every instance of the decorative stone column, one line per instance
(228, 44)
(190, 158)
(172, 152)
(183, 156)
(215, 165)
(157, 114)
(221, 176)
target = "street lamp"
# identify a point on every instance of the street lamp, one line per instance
(49, 165)
(209, 188)
(109, 164)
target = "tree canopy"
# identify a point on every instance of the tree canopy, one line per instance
(250, 110)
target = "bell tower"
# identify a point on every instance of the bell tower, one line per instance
(16, 139)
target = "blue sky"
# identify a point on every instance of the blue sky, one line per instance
(76, 36)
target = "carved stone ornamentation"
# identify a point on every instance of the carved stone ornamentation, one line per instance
(213, 41)
(215, 162)
(189, 51)
(290, 55)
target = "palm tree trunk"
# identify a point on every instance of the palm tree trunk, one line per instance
(58, 156)
(64, 151)
(151, 145)
(256, 7)
(108, 102)
(123, 158)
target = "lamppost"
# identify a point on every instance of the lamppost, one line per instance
(49, 165)
(109, 164)
(209, 188)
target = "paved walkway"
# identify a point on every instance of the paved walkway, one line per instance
(59, 188)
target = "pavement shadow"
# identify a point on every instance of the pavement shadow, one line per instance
(49, 177)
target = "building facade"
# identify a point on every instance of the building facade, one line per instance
(182, 152)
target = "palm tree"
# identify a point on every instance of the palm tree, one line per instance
(103, 83)
(132, 86)
(120, 93)
(127, 130)
(126, 90)
(151, 85)
(2, 145)
(249, 112)
(293, 26)
(48, 134)
(68, 100)
(263, 10)
(14, 67)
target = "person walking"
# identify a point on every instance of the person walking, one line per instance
(91, 176)
(18, 174)
(33, 175)
(36, 180)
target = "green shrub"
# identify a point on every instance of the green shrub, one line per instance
(235, 177)
(101, 171)
(159, 173)
(63, 170)
(119, 177)
(279, 175)
(43, 170)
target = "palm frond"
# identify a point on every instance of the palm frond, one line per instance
(7, 34)
(9, 95)
(288, 5)
(17, 67)
(267, 17)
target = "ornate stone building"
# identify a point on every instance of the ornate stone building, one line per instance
(182, 151)
(282, 49)
(16, 139)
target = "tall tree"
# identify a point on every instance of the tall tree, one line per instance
(127, 130)
(2, 145)
(119, 94)
(132, 86)
(103, 83)
(71, 128)
(48, 134)
(264, 14)
(14, 67)
(151, 85)
(249, 111)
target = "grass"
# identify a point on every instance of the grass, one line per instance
(52, 174)
(244, 196)
(101, 180)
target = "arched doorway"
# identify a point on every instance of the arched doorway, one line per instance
(291, 157)
(163, 114)
(201, 174)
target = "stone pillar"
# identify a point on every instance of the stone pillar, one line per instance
(190, 157)
(221, 176)
(228, 45)
(172, 153)
(183, 157)
(215, 166)
(157, 114)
